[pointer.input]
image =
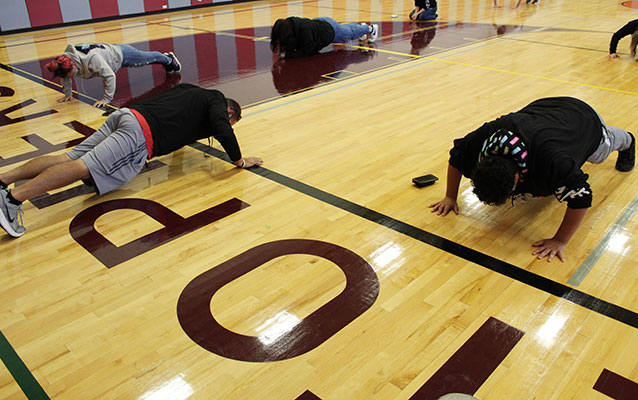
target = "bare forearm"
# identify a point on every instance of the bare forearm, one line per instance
(571, 221)
(453, 182)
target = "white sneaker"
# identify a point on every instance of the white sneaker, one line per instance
(374, 34)
(364, 37)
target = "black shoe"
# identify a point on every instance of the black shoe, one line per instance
(175, 65)
(627, 158)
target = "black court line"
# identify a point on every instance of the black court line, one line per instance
(590, 302)
(558, 45)
(546, 285)
(82, 97)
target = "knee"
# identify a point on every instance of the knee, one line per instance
(81, 171)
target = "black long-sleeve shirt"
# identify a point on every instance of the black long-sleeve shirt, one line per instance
(311, 35)
(187, 113)
(628, 29)
(560, 133)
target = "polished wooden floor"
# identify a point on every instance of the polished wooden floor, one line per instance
(325, 276)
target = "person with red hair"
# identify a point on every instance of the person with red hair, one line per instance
(104, 60)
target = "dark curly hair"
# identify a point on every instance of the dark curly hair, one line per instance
(494, 178)
(282, 36)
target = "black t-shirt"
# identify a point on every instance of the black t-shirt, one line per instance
(187, 113)
(427, 4)
(560, 133)
(311, 35)
(628, 29)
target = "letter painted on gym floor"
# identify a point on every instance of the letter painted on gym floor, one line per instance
(194, 314)
(83, 230)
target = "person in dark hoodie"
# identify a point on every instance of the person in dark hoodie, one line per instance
(296, 37)
(538, 151)
(424, 10)
(116, 152)
(104, 60)
(630, 28)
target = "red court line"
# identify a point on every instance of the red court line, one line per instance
(615, 386)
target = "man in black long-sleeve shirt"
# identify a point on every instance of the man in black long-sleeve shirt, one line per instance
(537, 151)
(116, 152)
(630, 28)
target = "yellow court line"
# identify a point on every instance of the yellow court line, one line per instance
(533, 76)
(236, 35)
(377, 50)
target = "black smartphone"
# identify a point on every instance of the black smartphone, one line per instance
(424, 180)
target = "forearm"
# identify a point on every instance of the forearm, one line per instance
(571, 221)
(613, 44)
(109, 88)
(67, 87)
(453, 182)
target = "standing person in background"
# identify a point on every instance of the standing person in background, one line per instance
(104, 60)
(631, 28)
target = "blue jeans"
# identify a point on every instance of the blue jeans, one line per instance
(132, 57)
(346, 32)
(426, 15)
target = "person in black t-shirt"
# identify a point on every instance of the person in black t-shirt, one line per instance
(116, 152)
(296, 37)
(631, 28)
(537, 151)
(424, 10)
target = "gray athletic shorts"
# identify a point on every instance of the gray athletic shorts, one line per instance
(614, 139)
(115, 153)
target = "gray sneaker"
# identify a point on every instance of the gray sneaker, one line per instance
(9, 214)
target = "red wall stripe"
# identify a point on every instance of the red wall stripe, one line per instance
(104, 8)
(44, 12)
(155, 5)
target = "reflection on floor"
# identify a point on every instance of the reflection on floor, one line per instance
(243, 67)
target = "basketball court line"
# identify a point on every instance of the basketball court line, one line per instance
(47, 83)
(20, 372)
(504, 268)
(602, 246)
(32, 388)
(586, 266)
(562, 45)
(534, 76)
